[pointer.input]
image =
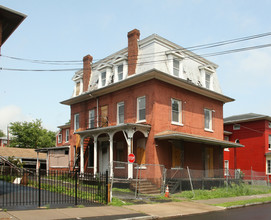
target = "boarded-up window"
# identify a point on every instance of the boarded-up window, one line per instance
(58, 158)
(104, 116)
(140, 151)
(77, 88)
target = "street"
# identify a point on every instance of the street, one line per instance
(259, 212)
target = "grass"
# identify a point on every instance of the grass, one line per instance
(235, 190)
(244, 202)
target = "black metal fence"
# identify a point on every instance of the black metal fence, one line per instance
(51, 188)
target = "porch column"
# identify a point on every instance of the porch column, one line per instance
(82, 170)
(111, 154)
(130, 165)
(95, 156)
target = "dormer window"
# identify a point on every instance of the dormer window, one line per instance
(103, 78)
(207, 80)
(175, 63)
(77, 88)
(176, 67)
(120, 72)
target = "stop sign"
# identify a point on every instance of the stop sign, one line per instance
(131, 158)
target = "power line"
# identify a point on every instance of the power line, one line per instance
(155, 61)
(191, 48)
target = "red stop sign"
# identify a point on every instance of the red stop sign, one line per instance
(131, 158)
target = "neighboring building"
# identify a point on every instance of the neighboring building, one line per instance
(9, 21)
(63, 135)
(253, 131)
(3, 141)
(27, 156)
(154, 99)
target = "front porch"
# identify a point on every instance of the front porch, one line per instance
(98, 148)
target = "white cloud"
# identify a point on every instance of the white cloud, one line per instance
(10, 114)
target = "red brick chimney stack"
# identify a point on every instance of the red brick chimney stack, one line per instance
(87, 60)
(133, 37)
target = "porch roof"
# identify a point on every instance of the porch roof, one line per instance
(168, 134)
(122, 127)
(43, 150)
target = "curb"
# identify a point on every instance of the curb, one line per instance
(246, 205)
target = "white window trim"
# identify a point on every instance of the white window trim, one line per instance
(67, 135)
(118, 119)
(89, 118)
(180, 122)
(211, 120)
(137, 110)
(59, 137)
(171, 56)
(75, 121)
(268, 159)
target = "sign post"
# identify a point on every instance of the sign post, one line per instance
(131, 158)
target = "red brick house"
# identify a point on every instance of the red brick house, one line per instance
(154, 99)
(253, 131)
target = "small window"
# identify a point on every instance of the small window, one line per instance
(77, 88)
(176, 111)
(269, 142)
(60, 138)
(226, 168)
(103, 78)
(208, 80)
(120, 72)
(269, 124)
(66, 152)
(268, 166)
(92, 118)
(176, 67)
(120, 112)
(236, 127)
(141, 109)
(67, 135)
(76, 122)
(208, 119)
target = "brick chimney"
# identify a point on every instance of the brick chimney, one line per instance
(133, 37)
(87, 60)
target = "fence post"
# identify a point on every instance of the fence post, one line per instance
(106, 186)
(75, 196)
(39, 178)
(190, 182)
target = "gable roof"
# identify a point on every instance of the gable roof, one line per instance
(245, 118)
(10, 20)
(20, 153)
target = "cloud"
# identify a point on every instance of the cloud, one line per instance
(10, 114)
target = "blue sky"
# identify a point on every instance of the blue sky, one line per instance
(69, 30)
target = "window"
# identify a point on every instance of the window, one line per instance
(269, 124)
(226, 168)
(268, 167)
(120, 112)
(141, 108)
(91, 118)
(176, 67)
(76, 122)
(77, 88)
(60, 138)
(103, 78)
(67, 135)
(66, 152)
(120, 72)
(176, 109)
(269, 142)
(207, 80)
(207, 119)
(236, 127)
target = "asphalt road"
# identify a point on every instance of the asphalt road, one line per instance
(258, 212)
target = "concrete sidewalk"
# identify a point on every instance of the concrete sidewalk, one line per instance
(144, 211)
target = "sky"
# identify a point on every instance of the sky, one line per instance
(67, 30)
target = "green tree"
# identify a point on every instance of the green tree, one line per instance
(31, 135)
(2, 134)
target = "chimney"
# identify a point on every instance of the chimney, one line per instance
(87, 60)
(133, 37)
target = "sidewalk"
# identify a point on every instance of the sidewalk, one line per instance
(144, 211)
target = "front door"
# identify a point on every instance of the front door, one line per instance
(104, 157)
(209, 162)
